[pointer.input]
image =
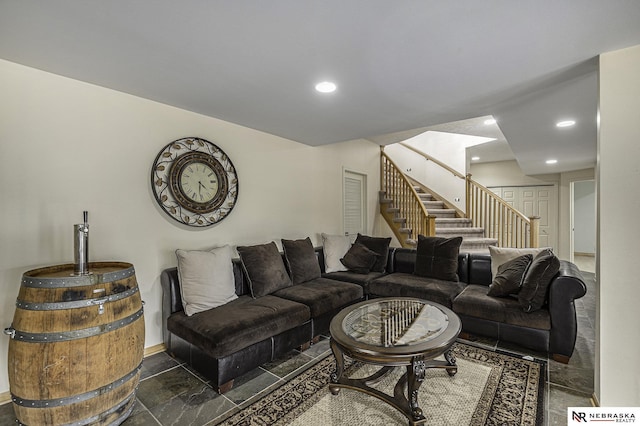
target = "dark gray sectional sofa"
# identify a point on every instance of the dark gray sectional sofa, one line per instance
(227, 341)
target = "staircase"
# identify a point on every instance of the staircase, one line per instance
(411, 209)
(447, 223)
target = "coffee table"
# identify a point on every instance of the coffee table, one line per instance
(394, 332)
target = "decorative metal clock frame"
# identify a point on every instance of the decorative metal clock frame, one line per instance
(170, 182)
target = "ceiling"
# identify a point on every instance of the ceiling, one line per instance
(399, 65)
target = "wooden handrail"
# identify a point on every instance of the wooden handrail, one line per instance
(396, 187)
(486, 210)
(434, 160)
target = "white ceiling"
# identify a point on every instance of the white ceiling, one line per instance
(399, 65)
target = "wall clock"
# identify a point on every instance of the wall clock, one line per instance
(194, 182)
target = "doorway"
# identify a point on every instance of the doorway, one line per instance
(583, 224)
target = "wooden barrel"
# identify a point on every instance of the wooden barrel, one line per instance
(76, 345)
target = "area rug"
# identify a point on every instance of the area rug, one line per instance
(490, 388)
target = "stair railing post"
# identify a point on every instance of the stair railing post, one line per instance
(534, 231)
(431, 226)
(467, 207)
(382, 185)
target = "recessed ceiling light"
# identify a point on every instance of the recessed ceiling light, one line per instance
(565, 123)
(490, 121)
(326, 87)
(551, 161)
(475, 158)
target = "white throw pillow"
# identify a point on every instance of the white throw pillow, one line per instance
(335, 247)
(206, 278)
(500, 255)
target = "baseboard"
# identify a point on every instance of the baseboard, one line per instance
(594, 400)
(151, 350)
(579, 253)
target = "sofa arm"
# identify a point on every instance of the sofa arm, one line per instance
(171, 299)
(566, 286)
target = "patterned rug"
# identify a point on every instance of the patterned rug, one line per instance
(490, 388)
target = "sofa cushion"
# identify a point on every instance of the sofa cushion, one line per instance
(301, 259)
(500, 255)
(401, 284)
(322, 295)
(264, 268)
(378, 245)
(510, 276)
(437, 257)
(359, 259)
(352, 277)
(474, 302)
(334, 248)
(238, 324)
(206, 278)
(533, 293)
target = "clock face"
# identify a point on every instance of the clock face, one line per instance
(199, 182)
(194, 182)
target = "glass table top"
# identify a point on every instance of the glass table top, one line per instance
(393, 323)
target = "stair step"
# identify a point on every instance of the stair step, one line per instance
(393, 209)
(399, 220)
(465, 232)
(453, 222)
(433, 204)
(442, 213)
(478, 243)
(405, 230)
(424, 196)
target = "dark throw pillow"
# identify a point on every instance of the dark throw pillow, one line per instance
(437, 257)
(378, 245)
(302, 260)
(533, 292)
(264, 268)
(359, 259)
(509, 278)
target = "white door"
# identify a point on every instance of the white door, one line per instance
(536, 201)
(355, 203)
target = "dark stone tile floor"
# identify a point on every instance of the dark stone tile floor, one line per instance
(170, 393)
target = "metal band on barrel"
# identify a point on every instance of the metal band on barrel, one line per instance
(75, 334)
(52, 306)
(58, 402)
(77, 281)
(112, 410)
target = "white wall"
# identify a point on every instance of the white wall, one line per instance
(67, 146)
(445, 149)
(584, 217)
(618, 176)
(507, 173)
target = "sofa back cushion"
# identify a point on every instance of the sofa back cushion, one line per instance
(404, 260)
(334, 249)
(360, 259)
(438, 258)
(378, 245)
(535, 284)
(510, 276)
(264, 268)
(501, 255)
(301, 260)
(206, 278)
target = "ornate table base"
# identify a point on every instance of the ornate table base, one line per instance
(410, 380)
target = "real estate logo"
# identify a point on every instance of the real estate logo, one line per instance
(582, 415)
